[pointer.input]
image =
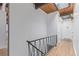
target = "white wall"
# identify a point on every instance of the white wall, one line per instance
(52, 23)
(55, 25)
(2, 29)
(26, 23)
(76, 28)
(67, 29)
(59, 28)
(64, 28)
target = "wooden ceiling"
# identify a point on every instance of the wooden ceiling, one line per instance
(51, 7)
(67, 10)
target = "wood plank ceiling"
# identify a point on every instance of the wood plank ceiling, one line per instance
(51, 7)
(67, 10)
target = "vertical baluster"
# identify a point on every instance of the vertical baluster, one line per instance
(33, 50)
(35, 46)
(46, 44)
(51, 40)
(40, 46)
(56, 39)
(41, 54)
(29, 50)
(43, 45)
(37, 53)
(48, 40)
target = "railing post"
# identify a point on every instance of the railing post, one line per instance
(46, 45)
(56, 40)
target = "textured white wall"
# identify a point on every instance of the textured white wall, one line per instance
(76, 28)
(2, 29)
(67, 29)
(57, 26)
(26, 23)
(52, 23)
(64, 28)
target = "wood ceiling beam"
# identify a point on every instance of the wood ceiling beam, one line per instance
(49, 8)
(67, 10)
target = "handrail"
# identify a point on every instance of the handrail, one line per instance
(40, 38)
(35, 47)
(40, 47)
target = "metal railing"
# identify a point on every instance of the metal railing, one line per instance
(40, 47)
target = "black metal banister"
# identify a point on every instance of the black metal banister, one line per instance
(35, 47)
(41, 38)
(40, 47)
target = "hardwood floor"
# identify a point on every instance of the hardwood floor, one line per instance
(3, 52)
(64, 48)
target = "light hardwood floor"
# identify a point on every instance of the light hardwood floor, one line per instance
(64, 48)
(3, 52)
